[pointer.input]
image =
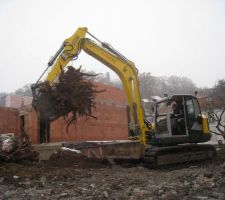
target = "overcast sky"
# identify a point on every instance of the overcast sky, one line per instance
(164, 37)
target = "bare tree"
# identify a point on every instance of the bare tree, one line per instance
(158, 86)
(217, 101)
(220, 123)
(2, 98)
(24, 91)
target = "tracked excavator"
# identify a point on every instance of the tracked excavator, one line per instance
(177, 127)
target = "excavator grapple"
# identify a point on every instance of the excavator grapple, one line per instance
(73, 93)
(44, 104)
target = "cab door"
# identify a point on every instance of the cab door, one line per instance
(162, 120)
(193, 115)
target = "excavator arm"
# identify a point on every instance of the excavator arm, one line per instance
(124, 68)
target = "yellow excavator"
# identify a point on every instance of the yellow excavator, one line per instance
(171, 136)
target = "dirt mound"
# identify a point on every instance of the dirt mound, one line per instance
(66, 158)
(195, 181)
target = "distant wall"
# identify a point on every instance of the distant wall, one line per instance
(17, 101)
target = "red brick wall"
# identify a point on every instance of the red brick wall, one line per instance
(31, 125)
(9, 120)
(206, 102)
(111, 122)
(202, 102)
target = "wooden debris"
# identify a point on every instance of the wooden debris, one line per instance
(19, 149)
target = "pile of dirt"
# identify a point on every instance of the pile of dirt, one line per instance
(197, 181)
(66, 158)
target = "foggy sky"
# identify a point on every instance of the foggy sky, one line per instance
(164, 37)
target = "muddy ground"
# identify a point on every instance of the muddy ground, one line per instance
(68, 177)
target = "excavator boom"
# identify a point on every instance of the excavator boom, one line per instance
(103, 52)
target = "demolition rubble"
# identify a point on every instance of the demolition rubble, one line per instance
(16, 149)
(69, 175)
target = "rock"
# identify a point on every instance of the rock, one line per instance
(208, 174)
(140, 168)
(26, 183)
(105, 194)
(201, 197)
(9, 145)
(137, 190)
(64, 194)
(84, 189)
(173, 195)
(132, 198)
(8, 194)
(49, 191)
(212, 185)
(196, 186)
(174, 192)
(222, 171)
(1, 179)
(129, 190)
(218, 195)
(164, 197)
(223, 165)
(193, 167)
(143, 193)
(43, 180)
(160, 192)
(186, 183)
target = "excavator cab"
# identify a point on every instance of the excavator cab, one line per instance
(178, 119)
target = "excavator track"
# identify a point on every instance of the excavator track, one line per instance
(163, 156)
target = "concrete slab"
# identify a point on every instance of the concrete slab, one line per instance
(116, 149)
(45, 150)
